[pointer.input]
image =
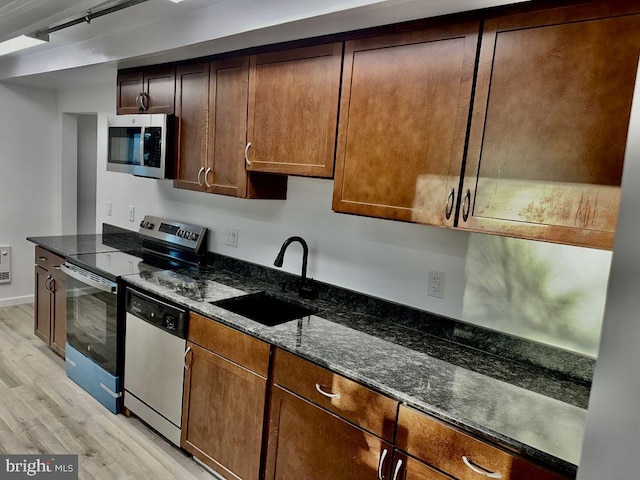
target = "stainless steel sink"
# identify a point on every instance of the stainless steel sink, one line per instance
(265, 308)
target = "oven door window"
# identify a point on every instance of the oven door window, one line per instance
(92, 323)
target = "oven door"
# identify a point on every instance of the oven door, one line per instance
(92, 318)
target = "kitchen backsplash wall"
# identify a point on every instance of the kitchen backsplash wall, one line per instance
(386, 259)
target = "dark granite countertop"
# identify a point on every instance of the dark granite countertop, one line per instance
(533, 410)
(403, 364)
(64, 245)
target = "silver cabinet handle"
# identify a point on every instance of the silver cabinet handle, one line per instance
(47, 283)
(200, 172)
(186, 352)
(466, 205)
(246, 153)
(144, 101)
(449, 207)
(139, 101)
(381, 463)
(477, 470)
(206, 175)
(397, 470)
(42, 259)
(328, 395)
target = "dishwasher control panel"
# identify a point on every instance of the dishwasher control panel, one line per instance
(157, 312)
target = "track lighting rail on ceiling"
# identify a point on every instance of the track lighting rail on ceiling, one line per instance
(43, 34)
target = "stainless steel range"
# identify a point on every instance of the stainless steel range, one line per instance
(95, 348)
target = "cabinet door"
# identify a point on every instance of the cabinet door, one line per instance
(157, 84)
(228, 96)
(58, 312)
(129, 86)
(404, 114)
(308, 442)
(293, 111)
(160, 86)
(42, 310)
(223, 414)
(549, 125)
(192, 97)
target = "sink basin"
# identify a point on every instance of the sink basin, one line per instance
(265, 308)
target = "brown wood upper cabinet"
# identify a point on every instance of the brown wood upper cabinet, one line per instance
(148, 91)
(550, 120)
(224, 398)
(293, 111)
(226, 172)
(403, 119)
(211, 132)
(192, 117)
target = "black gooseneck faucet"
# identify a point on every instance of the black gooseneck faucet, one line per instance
(304, 290)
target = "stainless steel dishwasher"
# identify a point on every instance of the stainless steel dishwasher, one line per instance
(155, 343)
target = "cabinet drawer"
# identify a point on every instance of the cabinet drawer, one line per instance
(444, 448)
(352, 401)
(46, 259)
(240, 348)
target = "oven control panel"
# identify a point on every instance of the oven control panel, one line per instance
(193, 237)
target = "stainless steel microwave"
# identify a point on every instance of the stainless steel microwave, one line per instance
(141, 145)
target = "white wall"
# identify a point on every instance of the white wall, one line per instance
(87, 172)
(30, 180)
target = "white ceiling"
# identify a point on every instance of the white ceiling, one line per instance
(157, 31)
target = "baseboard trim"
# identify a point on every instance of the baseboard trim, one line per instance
(11, 301)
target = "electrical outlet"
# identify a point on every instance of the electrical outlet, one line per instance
(109, 208)
(232, 237)
(436, 284)
(132, 213)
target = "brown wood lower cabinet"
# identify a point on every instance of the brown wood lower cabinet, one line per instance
(224, 399)
(50, 294)
(307, 442)
(458, 454)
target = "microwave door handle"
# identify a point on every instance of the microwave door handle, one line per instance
(142, 147)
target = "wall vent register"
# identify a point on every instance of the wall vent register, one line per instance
(5, 264)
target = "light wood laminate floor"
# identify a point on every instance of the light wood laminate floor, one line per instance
(43, 411)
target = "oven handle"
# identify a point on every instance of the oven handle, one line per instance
(110, 288)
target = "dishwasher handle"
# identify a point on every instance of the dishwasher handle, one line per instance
(105, 286)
